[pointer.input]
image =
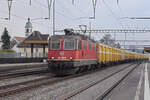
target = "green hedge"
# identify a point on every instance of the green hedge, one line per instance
(7, 50)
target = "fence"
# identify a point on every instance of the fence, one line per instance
(20, 60)
(21, 55)
(9, 55)
(6, 58)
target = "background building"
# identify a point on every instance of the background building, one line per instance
(28, 28)
(16, 41)
(35, 45)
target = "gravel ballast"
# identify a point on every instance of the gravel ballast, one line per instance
(59, 89)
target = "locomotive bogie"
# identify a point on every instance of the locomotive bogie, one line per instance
(70, 67)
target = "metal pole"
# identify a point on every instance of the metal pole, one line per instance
(54, 17)
(73, 2)
(94, 7)
(94, 13)
(30, 2)
(90, 29)
(115, 36)
(9, 7)
(49, 7)
(125, 40)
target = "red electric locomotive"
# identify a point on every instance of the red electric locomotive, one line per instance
(71, 53)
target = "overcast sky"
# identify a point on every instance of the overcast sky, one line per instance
(108, 15)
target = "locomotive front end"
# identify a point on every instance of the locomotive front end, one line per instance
(62, 53)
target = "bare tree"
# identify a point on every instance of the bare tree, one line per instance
(108, 40)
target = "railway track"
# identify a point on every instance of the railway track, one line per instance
(16, 74)
(27, 85)
(101, 97)
(87, 86)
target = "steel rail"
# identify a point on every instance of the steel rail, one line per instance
(22, 83)
(115, 85)
(34, 84)
(14, 75)
(79, 90)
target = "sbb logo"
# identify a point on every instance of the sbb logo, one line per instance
(61, 53)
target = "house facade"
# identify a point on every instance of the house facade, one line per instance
(26, 51)
(15, 42)
(35, 45)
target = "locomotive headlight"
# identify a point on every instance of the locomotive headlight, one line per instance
(70, 58)
(52, 57)
(48, 38)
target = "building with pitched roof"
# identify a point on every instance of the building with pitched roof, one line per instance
(35, 45)
(15, 42)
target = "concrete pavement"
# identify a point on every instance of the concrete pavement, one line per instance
(134, 87)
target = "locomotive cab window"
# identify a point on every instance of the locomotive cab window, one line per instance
(69, 44)
(54, 44)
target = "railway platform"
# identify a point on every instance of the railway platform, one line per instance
(134, 87)
(17, 66)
